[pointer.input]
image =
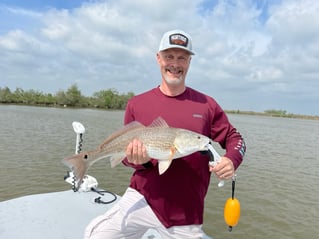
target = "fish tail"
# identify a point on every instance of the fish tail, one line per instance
(78, 166)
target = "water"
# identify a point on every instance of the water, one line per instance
(276, 185)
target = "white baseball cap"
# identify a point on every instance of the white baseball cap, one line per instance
(176, 39)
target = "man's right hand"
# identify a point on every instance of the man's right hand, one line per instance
(136, 153)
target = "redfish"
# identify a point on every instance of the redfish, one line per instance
(162, 142)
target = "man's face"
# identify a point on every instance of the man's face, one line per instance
(174, 64)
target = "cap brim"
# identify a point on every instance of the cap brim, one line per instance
(179, 47)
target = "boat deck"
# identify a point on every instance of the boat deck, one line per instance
(53, 215)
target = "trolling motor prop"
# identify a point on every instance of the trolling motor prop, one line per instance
(232, 208)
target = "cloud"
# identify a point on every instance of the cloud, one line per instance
(251, 55)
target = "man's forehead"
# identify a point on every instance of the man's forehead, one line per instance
(176, 51)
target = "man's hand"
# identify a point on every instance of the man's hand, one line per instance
(136, 153)
(224, 169)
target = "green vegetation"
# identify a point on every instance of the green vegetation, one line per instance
(72, 97)
(104, 99)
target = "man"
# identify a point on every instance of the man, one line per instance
(171, 203)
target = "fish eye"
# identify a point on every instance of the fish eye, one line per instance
(85, 156)
(198, 137)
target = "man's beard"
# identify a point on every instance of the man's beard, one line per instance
(173, 80)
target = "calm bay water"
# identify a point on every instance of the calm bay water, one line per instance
(277, 184)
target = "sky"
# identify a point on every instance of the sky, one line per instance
(251, 55)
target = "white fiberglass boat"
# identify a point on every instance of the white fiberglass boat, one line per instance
(58, 215)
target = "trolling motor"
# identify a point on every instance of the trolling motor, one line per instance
(79, 130)
(88, 182)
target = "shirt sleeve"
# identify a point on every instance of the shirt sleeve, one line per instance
(227, 136)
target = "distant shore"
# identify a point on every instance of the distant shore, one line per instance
(269, 113)
(273, 113)
(109, 99)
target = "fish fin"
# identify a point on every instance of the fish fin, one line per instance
(172, 153)
(116, 159)
(163, 166)
(179, 149)
(131, 126)
(159, 123)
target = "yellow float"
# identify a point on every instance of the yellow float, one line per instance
(232, 209)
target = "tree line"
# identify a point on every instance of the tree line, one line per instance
(106, 99)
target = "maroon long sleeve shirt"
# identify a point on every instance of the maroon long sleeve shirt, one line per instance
(177, 196)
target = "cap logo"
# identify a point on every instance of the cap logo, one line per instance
(178, 39)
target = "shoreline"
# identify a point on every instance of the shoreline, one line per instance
(271, 113)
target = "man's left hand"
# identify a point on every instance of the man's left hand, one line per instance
(224, 169)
